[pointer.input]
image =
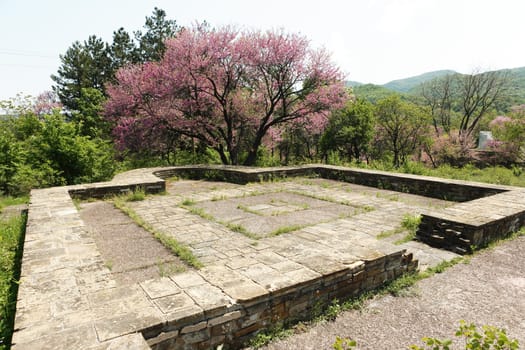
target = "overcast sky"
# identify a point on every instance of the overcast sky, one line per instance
(372, 41)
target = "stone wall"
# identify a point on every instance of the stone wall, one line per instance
(239, 322)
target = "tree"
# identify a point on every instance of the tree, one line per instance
(401, 125)
(89, 113)
(124, 51)
(227, 88)
(93, 63)
(84, 65)
(158, 30)
(469, 96)
(478, 93)
(438, 95)
(350, 130)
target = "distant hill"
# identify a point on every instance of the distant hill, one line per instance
(410, 86)
(351, 83)
(517, 86)
(407, 84)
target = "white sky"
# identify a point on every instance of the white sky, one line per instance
(371, 40)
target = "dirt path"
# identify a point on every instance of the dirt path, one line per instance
(131, 253)
(490, 290)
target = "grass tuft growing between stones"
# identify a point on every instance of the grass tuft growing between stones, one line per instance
(286, 229)
(183, 252)
(137, 195)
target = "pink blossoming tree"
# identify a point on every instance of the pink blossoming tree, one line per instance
(228, 89)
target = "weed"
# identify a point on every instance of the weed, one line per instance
(410, 223)
(200, 212)
(109, 265)
(247, 209)
(286, 229)
(183, 252)
(489, 338)
(344, 344)
(138, 194)
(218, 198)
(276, 332)
(188, 202)
(76, 203)
(168, 269)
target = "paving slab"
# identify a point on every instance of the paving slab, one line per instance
(313, 234)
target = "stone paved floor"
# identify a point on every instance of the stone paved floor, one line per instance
(69, 299)
(345, 238)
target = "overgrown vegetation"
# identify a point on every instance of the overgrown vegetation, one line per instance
(183, 252)
(11, 238)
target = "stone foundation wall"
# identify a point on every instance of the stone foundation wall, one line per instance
(241, 321)
(64, 279)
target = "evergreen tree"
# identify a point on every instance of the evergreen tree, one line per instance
(158, 29)
(84, 65)
(124, 51)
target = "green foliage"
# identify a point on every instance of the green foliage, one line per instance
(89, 115)
(158, 29)
(12, 232)
(372, 93)
(409, 223)
(6, 201)
(41, 151)
(92, 64)
(285, 229)
(489, 338)
(277, 331)
(349, 130)
(344, 344)
(84, 65)
(136, 195)
(401, 128)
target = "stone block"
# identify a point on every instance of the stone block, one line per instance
(194, 327)
(158, 288)
(118, 325)
(225, 318)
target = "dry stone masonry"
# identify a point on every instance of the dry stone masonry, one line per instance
(69, 300)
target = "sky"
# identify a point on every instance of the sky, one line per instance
(372, 41)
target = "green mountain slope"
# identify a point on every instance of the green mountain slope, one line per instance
(407, 84)
(411, 86)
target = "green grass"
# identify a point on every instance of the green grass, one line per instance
(6, 201)
(241, 229)
(138, 194)
(285, 229)
(11, 238)
(410, 223)
(187, 202)
(183, 252)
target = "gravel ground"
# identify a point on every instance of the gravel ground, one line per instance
(489, 290)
